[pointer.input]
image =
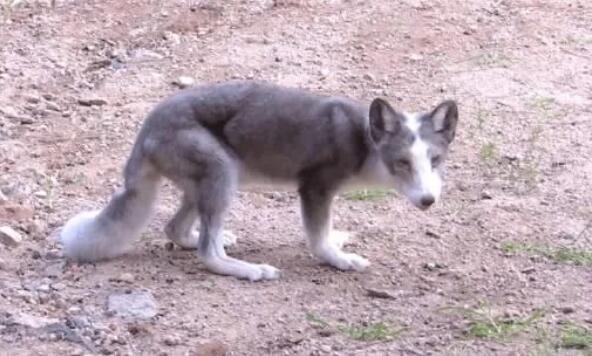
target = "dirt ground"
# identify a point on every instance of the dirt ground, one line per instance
(501, 266)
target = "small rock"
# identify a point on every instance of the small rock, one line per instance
(9, 236)
(382, 294)
(58, 286)
(44, 288)
(211, 348)
(136, 304)
(27, 120)
(485, 195)
(369, 77)
(32, 99)
(125, 277)
(528, 270)
(567, 310)
(169, 246)
(3, 198)
(432, 266)
(326, 348)
(415, 57)
(92, 102)
(33, 321)
(432, 234)
(171, 340)
(184, 82)
(172, 37)
(52, 106)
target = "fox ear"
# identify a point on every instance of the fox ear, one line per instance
(383, 119)
(444, 118)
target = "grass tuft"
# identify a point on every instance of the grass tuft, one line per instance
(379, 331)
(488, 152)
(372, 332)
(576, 337)
(368, 194)
(563, 255)
(482, 324)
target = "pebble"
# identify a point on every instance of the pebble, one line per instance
(9, 236)
(172, 340)
(125, 277)
(92, 102)
(211, 348)
(184, 82)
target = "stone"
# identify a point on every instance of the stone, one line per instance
(137, 304)
(125, 277)
(33, 321)
(92, 102)
(9, 236)
(184, 82)
(211, 348)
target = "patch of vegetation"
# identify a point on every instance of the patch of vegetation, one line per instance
(564, 255)
(543, 104)
(368, 194)
(482, 324)
(316, 321)
(379, 331)
(371, 332)
(488, 152)
(493, 59)
(575, 337)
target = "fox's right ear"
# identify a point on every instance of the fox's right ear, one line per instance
(383, 119)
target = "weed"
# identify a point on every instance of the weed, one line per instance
(488, 152)
(575, 337)
(564, 255)
(361, 332)
(542, 104)
(494, 59)
(371, 332)
(368, 194)
(482, 324)
(316, 321)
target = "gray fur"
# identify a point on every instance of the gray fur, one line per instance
(211, 140)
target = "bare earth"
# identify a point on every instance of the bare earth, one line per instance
(501, 266)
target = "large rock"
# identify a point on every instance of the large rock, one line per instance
(9, 236)
(137, 304)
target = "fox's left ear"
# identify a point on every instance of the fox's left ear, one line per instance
(444, 117)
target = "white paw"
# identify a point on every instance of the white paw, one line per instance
(229, 238)
(342, 260)
(339, 238)
(240, 269)
(268, 273)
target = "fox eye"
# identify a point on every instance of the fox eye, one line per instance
(436, 160)
(403, 163)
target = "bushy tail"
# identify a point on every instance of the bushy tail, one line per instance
(98, 235)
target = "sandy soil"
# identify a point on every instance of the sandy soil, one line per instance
(501, 266)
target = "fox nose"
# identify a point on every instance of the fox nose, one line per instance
(427, 200)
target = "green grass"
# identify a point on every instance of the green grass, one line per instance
(563, 255)
(379, 331)
(542, 104)
(372, 332)
(368, 194)
(575, 337)
(316, 321)
(483, 324)
(488, 152)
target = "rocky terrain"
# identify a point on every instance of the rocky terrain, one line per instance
(501, 266)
